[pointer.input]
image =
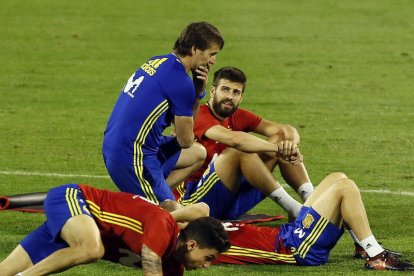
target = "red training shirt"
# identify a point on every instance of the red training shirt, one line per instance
(127, 221)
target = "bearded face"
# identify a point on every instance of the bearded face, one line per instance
(225, 107)
(226, 97)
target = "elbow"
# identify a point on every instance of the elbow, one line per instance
(291, 133)
(204, 209)
(185, 142)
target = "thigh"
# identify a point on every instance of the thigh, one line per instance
(17, 261)
(247, 198)
(81, 231)
(146, 180)
(311, 237)
(325, 184)
(40, 244)
(211, 191)
(170, 155)
(61, 204)
(227, 167)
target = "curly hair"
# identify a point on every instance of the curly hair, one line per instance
(208, 232)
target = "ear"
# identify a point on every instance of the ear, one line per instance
(191, 245)
(193, 50)
(212, 90)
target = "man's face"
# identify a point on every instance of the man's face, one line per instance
(197, 257)
(206, 57)
(226, 97)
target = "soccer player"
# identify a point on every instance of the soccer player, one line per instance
(138, 157)
(85, 224)
(237, 173)
(309, 240)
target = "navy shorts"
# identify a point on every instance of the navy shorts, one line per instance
(148, 178)
(223, 204)
(310, 238)
(61, 204)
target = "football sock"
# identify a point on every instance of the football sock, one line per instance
(305, 191)
(371, 246)
(281, 197)
(353, 236)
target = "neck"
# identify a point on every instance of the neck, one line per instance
(180, 250)
(185, 61)
(210, 106)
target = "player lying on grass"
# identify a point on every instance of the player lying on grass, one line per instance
(85, 224)
(308, 241)
(245, 162)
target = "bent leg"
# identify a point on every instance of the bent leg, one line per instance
(295, 175)
(326, 183)
(190, 160)
(339, 199)
(85, 245)
(232, 164)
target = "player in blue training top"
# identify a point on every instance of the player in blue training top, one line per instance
(138, 157)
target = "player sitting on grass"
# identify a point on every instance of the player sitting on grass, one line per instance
(85, 224)
(237, 173)
(308, 241)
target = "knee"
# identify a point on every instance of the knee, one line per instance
(92, 253)
(347, 186)
(336, 176)
(199, 152)
(287, 132)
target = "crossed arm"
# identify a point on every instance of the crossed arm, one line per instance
(287, 138)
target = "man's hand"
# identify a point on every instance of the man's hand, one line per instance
(200, 78)
(286, 148)
(296, 157)
(288, 151)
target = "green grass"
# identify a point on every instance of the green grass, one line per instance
(341, 72)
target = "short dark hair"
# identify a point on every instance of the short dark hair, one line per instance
(208, 232)
(199, 34)
(230, 73)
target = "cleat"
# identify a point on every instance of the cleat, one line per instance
(360, 253)
(386, 261)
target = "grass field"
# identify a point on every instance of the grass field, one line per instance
(340, 71)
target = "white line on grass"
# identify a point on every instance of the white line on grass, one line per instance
(107, 177)
(52, 174)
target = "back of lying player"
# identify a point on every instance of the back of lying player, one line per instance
(85, 224)
(336, 203)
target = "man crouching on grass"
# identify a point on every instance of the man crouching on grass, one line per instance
(85, 224)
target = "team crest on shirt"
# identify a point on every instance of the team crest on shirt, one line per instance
(308, 220)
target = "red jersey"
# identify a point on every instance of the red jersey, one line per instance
(240, 120)
(127, 222)
(251, 244)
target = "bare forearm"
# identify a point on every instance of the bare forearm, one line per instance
(196, 107)
(191, 212)
(59, 261)
(151, 262)
(249, 143)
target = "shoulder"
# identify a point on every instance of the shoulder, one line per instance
(241, 112)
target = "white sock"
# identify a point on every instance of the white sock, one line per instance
(371, 246)
(305, 191)
(353, 236)
(281, 197)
